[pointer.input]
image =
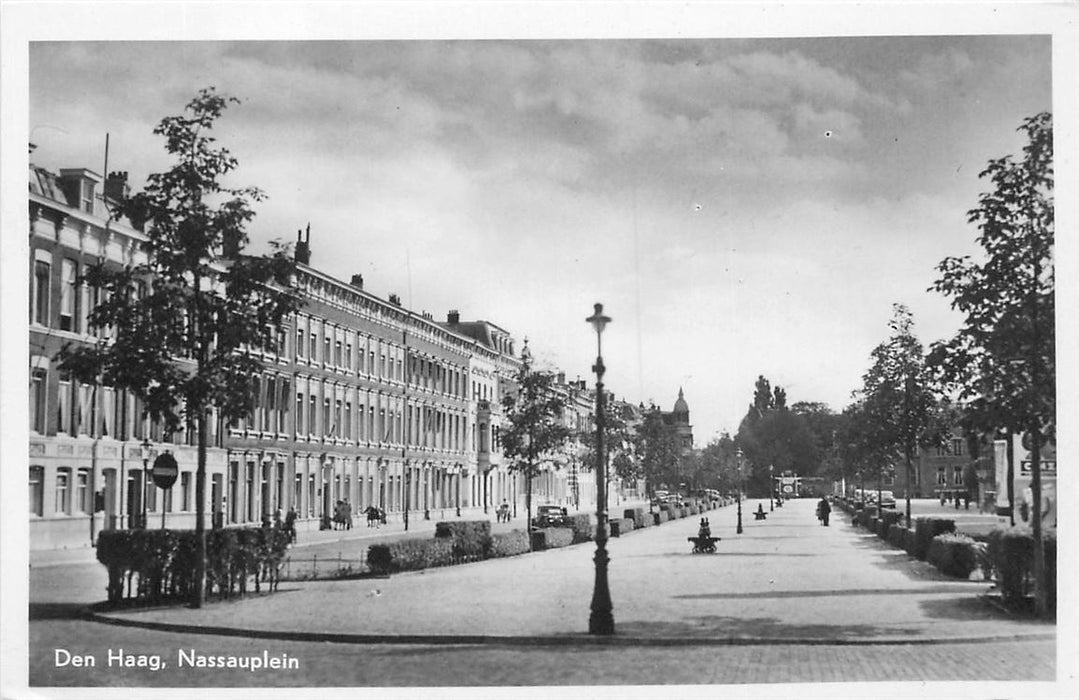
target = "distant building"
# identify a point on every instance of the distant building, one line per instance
(679, 420)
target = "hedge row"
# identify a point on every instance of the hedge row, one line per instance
(551, 537)
(584, 530)
(925, 529)
(470, 538)
(620, 526)
(159, 565)
(410, 555)
(1011, 555)
(953, 554)
(509, 544)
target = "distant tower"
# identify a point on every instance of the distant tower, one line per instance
(679, 419)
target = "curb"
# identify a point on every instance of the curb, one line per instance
(561, 640)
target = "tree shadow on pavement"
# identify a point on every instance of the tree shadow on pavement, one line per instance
(967, 608)
(720, 554)
(57, 611)
(757, 595)
(722, 627)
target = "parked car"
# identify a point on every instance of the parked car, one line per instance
(550, 516)
(887, 499)
(675, 500)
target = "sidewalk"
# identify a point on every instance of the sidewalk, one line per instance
(784, 580)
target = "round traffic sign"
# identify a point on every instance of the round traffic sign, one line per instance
(165, 470)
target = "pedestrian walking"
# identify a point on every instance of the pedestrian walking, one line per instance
(824, 509)
(290, 524)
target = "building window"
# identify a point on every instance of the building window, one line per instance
(348, 356)
(957, 476)
(348, 420)
(957, 446)
(326, 357)
(38, 387)
(37, 491)
(312, 409)
(327, 425)
(64, 404)
(63, 491)
(313, 346)
(942, 477)
(68, 277)
(338, 360)
(299, 343)
(41, 293)
(83, 497)
(185, 490)
(299, 415)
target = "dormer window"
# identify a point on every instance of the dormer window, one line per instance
(80, 187)
(87, 202)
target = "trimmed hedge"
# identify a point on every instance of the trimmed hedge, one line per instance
(639, 516)
(620, 526)
(662, 515)
(584, 530)
(508, 544)
(908, 540)
(953, 554)
(551, 537)
(895, 535)
(1011, 555)
(925, 529)
(470, 538)
(410, 555)
(890, 517)
(161, 563)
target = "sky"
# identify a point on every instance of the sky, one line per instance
(741, 207)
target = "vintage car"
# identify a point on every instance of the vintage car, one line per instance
(550, 516)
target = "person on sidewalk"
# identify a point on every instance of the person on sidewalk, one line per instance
(824, 509)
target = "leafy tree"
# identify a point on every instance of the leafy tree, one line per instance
(718, 464)
(189, 343)
(900, 401)
(774, 435)
(533, 430)
(1002, 361)
(620, 442)
(658, 451)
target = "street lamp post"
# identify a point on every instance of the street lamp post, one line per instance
(601, 620)
(739, 529)
(146, 445)
(771, 487)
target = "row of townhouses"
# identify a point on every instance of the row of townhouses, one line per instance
(362, 402)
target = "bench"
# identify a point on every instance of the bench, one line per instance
(703, 545)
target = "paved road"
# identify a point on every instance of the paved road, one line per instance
(787, 601)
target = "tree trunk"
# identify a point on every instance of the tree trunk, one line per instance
(1041, 584)
(199, 592)
(907, 455)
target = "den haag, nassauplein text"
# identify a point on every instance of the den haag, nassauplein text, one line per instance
(185, 658)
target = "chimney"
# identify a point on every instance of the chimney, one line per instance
(453, 317)
(395, 300)
(357, 281)
(116, 186)
(303, 248)
(561, 377)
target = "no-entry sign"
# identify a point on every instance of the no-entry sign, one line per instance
(165, 470)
